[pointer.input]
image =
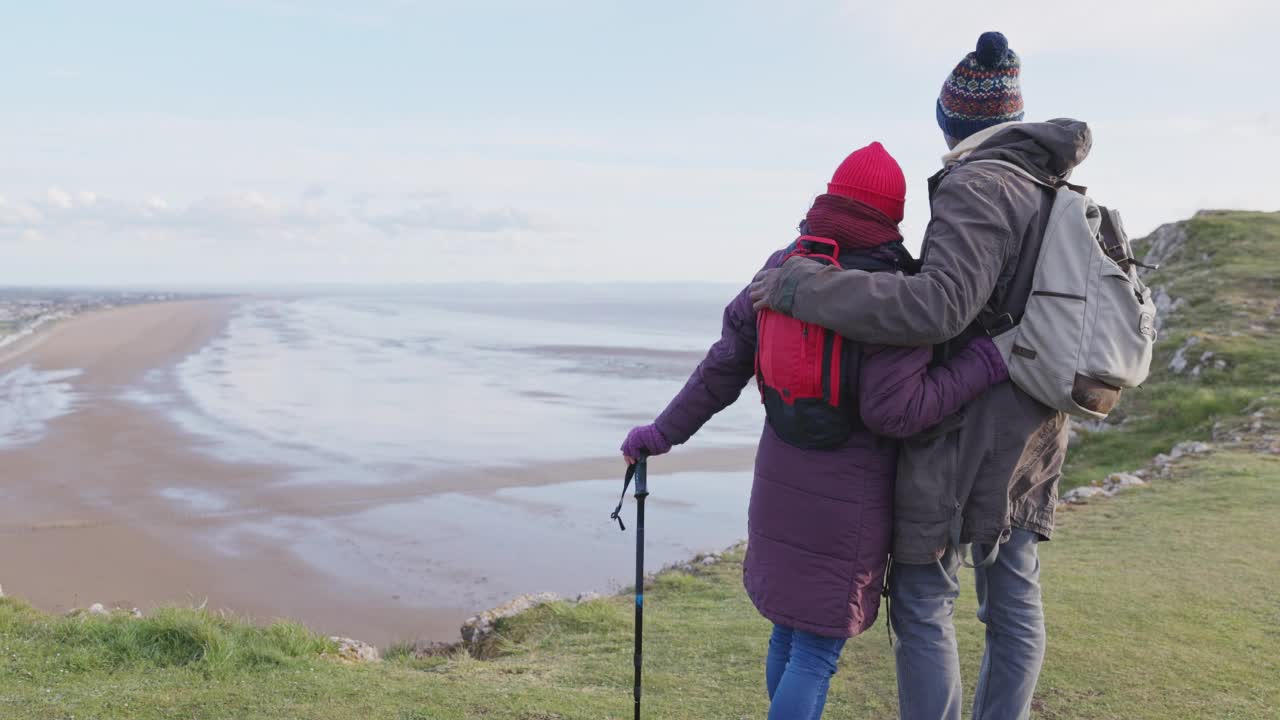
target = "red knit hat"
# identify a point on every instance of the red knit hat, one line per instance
(871, 175)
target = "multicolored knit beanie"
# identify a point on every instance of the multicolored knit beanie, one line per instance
(983, 90)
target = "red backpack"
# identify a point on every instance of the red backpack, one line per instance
(807, 379)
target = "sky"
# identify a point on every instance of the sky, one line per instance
(400, 141)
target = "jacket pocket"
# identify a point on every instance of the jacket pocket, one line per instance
(1123, 333)
(1059, 325)
(925, 487)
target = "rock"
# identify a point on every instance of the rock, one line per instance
(1190, 447)
(1163, 244)
(587, 597)
(1166, 305)
(1093, 426)
(136, 613)
(1124, 480)
(423, 650)
(98, 609)
(1179, 362)
(1082, 494)
(1078, 427)
(355, 651)
(1161, 460)
(478, 630)
(1114, 484)
(1269, 444)
(1, 591)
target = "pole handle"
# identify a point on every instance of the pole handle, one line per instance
(637, 471)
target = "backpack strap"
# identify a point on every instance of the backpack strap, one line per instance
(996, 320)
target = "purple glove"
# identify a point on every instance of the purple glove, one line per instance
(645, 440)
(986, 347)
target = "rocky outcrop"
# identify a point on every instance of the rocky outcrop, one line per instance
(423, 649)
(698, 562)
(1191, 447)
(1178, 364)
(1113, 484)
(479, 631)
(1079, 428)
(1166, 305)
(1116, 483)
(355, 651)
(100, 610)
(1163, 244)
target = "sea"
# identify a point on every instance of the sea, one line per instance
(421, 390)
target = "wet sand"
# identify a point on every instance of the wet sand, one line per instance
(84, 518)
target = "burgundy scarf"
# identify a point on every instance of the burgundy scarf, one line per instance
(853, 225)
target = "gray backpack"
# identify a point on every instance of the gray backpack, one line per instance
(1089, 325)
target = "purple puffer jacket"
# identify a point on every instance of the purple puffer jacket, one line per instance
(820, 521)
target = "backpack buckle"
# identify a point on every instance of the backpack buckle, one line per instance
(998, 324)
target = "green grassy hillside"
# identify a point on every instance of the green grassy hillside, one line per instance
(1161, 602)
(1224, 279)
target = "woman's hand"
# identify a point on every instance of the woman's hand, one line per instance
(644, 440)
(986, 347)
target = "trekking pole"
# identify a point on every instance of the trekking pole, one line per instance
(636, 470)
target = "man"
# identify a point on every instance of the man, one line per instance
(990, 475)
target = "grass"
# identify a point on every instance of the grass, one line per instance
(1228, 273)
(1160, 603)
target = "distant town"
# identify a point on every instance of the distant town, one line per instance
(23, 311)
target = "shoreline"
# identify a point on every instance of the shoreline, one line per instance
(90, 514)
(83, 523)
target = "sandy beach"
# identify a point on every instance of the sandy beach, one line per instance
(87, 514)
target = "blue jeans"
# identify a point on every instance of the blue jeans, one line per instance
(922, 601)
(798, 671)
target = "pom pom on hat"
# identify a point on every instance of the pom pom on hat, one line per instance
(992, 47)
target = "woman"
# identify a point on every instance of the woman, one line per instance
(819, 520)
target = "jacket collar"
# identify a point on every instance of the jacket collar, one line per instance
(973, 142)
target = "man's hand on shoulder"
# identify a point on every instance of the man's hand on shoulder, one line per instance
(775, 289)
(762, 286)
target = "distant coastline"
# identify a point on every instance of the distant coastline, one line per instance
(25, 312)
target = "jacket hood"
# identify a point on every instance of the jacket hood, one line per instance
(1049, 150)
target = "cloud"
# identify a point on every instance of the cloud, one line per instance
(18, 215)
(434, 212)
(231, 215)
